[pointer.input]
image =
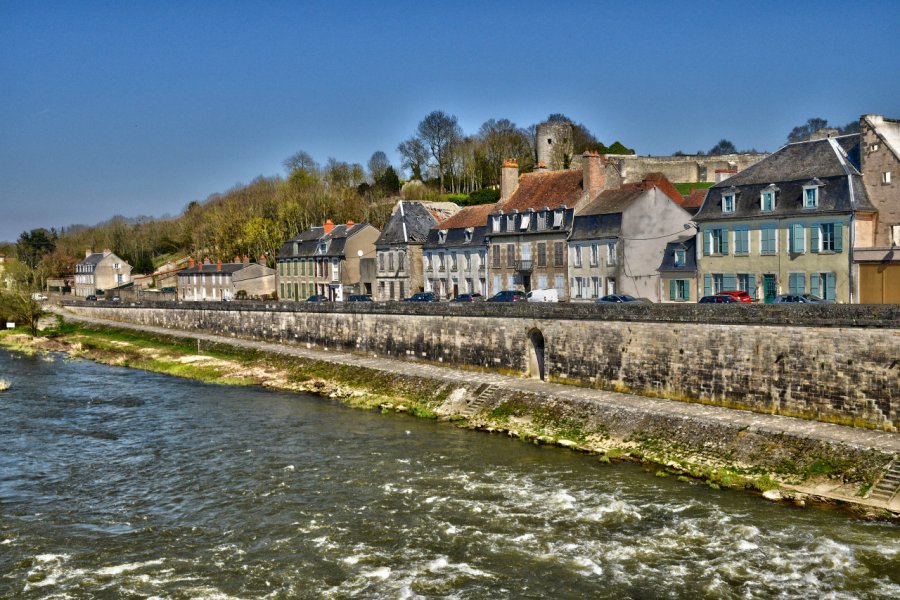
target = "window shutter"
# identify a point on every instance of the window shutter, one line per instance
(838, 237)
(751, 283)
(797, 238)
(707, 284)
(707, 241)
(814, 238)
(672, 289)
(729, 281)
(725, 234)
(830, 284)
(814, 286)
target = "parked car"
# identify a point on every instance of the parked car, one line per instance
(550, 295)
(91, 298)
(616, 298)
(359, 298)
(38, 297)
(740, 296)
(317, 298)
(422, 297)
(468, 298)
(508, 296)
(718, 299)
(114, 299)
(800, 299)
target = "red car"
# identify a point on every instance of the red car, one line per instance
(740, 296)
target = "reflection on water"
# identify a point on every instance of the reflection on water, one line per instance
(118, 483)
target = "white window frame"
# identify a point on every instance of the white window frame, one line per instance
(680, 257)
(762, 201)
(728, 203)
(886, 177)
(815, 191)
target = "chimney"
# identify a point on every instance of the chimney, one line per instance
(237, 259)
(594, 175)
(329, 225)
(219, 265)
(107, 252)
(262, 257)
(88, 252)
(350, 224)
(540, 167)
(509, 179)
(246, 260)
(190, 263)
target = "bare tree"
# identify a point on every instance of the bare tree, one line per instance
(438, 132)
(300, 160)
(415, 156)
(378, 164)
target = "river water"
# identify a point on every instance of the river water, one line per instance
(117, 483)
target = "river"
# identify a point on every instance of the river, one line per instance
(117, 483)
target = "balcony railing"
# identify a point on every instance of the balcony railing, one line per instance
(524, 265)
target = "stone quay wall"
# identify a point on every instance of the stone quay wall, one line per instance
(835, 363)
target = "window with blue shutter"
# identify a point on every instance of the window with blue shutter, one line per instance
(707, 284)
(814, 284)
(729, 282)
(797, 241)
(741, 240)
(767, 240)
(724, 237)
(796, 283)
(830, 286)
(838, 237)
(672, 295)
(814, 238)
(751, 286)
(707, 242)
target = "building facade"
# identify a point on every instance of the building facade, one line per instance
(220, 281)
(678, 271)
(99, 272)
(786, 224)
(455, 254)
(327, 261)
(398, 250)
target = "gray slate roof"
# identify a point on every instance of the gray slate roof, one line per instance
(209, 269)
(596, 226)
(689, 245)
(92, 259)
(456, 238)
(418, 221)
(308, 241)
(789, 169)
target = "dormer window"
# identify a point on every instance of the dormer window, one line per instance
(511, 223)
(542, 221)
(442, 236)
(495, 224)
(767, 199)
(323, 247)
(468, 234)
(680, 258)
(811, 194)
(728, 202)
(557, 218)
(525, 222)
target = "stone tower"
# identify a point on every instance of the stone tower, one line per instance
(554, 140)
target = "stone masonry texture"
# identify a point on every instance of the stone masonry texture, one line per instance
(835, 363)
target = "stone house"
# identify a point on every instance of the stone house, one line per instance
(788, 224)
(619, 238)
(225, 281)
(326, 261)
(398, 250)
(877, 255)
(455, 254)
(528, 231)
(678, 270)
(99, 272)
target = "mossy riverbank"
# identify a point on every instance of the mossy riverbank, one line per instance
(787, 469)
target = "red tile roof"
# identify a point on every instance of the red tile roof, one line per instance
(545, 188)
(694, 199)
(468, 216)
(612, 201)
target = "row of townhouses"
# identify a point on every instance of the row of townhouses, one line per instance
(819, 217)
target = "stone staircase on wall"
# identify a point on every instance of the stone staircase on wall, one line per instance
(887, 488)
(483, 395)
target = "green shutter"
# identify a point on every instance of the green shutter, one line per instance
(672, 295)
(725, 234)
(830, 285)
(707, 284)
(751, 283)
(707, 241)
(814, 238)
(796, 238)
(838, 237)
(814, 284)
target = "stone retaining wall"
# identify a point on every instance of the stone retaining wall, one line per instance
(836, 363)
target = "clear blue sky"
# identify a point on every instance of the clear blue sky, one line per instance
(140, 107)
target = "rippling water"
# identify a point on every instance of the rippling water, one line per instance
(123, 484)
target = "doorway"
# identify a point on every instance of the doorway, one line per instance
(536, 354)
(770, 288)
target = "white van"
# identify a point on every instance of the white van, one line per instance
(542, 296)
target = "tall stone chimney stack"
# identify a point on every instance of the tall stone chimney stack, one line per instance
(509, 178)
(594, 175)
(329, 226)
